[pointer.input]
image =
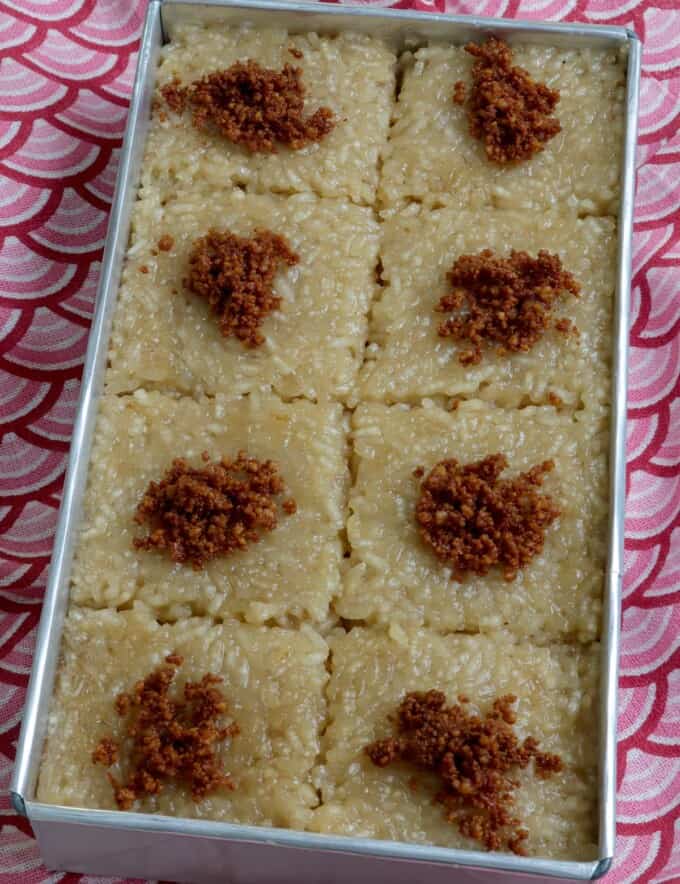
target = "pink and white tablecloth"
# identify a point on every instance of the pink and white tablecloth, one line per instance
(66, 70)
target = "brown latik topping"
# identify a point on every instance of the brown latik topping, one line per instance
(507, 301)
(459, 92)
(122, 704)
(199, 514)
(566, 326)
(175, 95)
(106, 752)
(252, 106)
(171, 739)
(473, 520)
(296, 53)
(166, 242)
(473, 758)
(236, 276)
(507, 109)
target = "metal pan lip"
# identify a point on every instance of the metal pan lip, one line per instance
(483, 24)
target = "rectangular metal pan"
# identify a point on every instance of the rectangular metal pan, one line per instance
(132, 844)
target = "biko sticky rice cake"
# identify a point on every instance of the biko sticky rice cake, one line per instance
(407, 358)
(275, 677)
(393, 576)
(294, 571)
(352, 75)
(432, 156)
(329, 616)
(374, 668)
(165, 338)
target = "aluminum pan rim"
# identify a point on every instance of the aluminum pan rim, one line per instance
(291, 838)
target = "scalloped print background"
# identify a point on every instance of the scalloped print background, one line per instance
(66, 71)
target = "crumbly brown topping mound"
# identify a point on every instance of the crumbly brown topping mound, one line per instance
(252, 106)
(473, 758)
(175, 96)
(473, 520)
(236, 276)
(199, 514)
(507, 110)
(170, 739)
(105, 752)
(508, 301)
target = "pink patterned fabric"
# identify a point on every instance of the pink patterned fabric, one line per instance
(66, 72)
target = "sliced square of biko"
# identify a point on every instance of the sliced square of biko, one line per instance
(556, 691)
(432, 154)
(498, 350)
(516, 543)
(255, 540)
(272, 683)
(228, 292)
(321, 129)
